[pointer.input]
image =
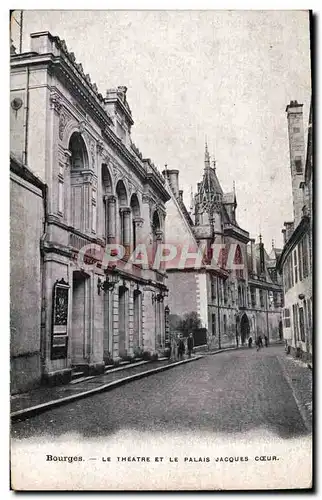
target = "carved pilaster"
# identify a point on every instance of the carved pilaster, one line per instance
(81, 127)
(138, 221)
(55, 102)
(100, 148)
(62, 125)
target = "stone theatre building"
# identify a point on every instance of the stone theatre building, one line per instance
(100, 190)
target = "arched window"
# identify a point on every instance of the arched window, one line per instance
(79, 162)
(238, 260)
(123, 219)
(79, 158)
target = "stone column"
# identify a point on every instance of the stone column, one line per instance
(138, 222)
(115, 323)
(111, 218)
(157, 242)
(131, 320)
(126, 237)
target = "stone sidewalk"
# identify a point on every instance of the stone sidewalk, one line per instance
(38, 400)
(300, 379)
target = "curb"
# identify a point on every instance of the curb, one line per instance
(36, 410)
(300, 408)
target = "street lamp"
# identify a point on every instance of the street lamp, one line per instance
(159, 297)
(109, 283)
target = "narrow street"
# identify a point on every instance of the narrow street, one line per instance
(233, 392)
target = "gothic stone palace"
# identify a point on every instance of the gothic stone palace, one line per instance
(232, 304)
(99, 190)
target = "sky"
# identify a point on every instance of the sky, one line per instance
(224, 75)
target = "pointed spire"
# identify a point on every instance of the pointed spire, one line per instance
(207, 157)
(261, 256)
(214, 163)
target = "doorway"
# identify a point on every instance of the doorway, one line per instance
(244, 328)
(280, 330)
(137, 318)
(79, 319)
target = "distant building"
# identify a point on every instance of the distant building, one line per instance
(232, 304)
(100, 191)
(295, 262)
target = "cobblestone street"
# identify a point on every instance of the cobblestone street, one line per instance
(236, 391)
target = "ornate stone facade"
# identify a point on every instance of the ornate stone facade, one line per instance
(96, 183)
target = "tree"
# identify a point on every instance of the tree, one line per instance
(189, 323)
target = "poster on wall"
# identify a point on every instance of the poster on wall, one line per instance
(59, 346)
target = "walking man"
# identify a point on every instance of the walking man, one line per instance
(190, 344)
(266, 341)
(181, 348)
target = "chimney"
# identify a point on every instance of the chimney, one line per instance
(289, 228)
(181, 195)
(173, 179)
(297, 154)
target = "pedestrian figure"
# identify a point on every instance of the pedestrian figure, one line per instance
(258, 346)
(181, 348)
(174, 349)
(266, 341)
(237, 340)
(190, 344)
(260, 342)
(250, 342)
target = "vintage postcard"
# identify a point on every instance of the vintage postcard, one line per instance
(161, 250)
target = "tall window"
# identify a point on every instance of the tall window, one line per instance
(300, 259)
(239, 260)
(275, 299)
(305, 256)
(239, 296)
(213, 324)
(302, 327)
(213, 288)
(261, 298)
(287, 318)
(225, 324)
(295, 322)
(253, 296)
(295, 265)
(291, 271)
(225, 292)
(78, 162)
